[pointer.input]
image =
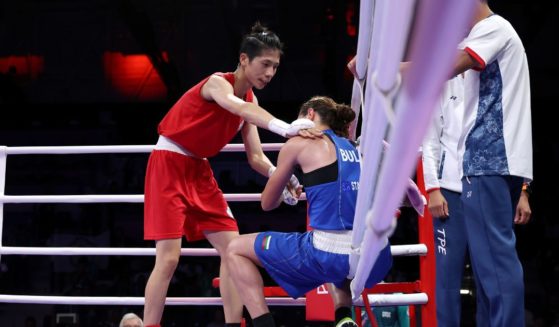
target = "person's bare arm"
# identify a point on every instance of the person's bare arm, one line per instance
(464, 61)
(221, 91)
(287, 159)
(256, 157)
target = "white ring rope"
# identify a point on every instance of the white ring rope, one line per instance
(396, 250)
(107, 300)
(110, 198)
(374, 299)
(379, 300)
(90, 149)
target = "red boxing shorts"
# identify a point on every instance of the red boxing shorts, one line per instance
(182, 198)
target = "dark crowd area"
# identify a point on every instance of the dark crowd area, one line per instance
(63, 82)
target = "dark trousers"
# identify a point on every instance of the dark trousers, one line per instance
(489, 204)
(451, 247)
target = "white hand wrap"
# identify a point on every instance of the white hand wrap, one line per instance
(284, 129)
(288, 198)
(301, 123)
(294, 182)
(278, 126)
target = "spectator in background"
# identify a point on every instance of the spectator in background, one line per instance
(131, 320)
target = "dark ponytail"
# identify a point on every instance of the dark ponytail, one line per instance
(337, 116)
(344, 116)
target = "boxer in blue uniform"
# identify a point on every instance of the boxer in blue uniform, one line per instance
(299, 262)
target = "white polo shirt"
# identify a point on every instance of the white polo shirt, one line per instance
(497, 135)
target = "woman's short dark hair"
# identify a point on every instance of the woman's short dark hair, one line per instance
(259, 39)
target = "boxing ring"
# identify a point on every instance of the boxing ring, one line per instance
(398, 109)
(412, 298)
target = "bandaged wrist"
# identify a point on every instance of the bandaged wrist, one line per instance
(288, 198)
(294, 181)
(278, 126)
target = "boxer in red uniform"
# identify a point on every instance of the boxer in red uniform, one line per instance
(181, 194)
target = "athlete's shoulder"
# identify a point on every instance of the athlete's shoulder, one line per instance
(217, 78)
(300, 144)
(215, 85)
(296, 142)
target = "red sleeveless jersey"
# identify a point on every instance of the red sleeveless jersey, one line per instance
(200, 126)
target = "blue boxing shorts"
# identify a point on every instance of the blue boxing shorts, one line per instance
(298, 266)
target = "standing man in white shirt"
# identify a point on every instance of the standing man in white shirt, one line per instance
(495, 152)
(442, 174)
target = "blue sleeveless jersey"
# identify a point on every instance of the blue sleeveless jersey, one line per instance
(292, 259)
(332, 205)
